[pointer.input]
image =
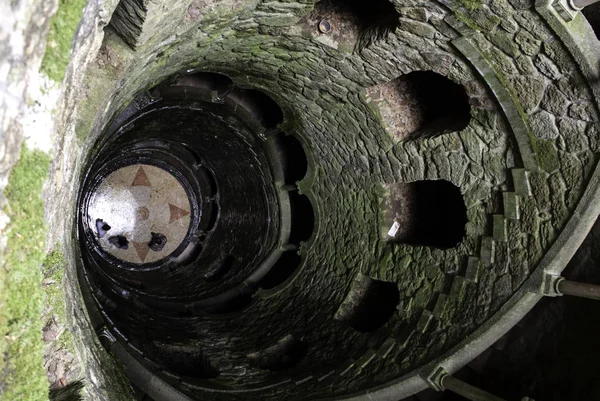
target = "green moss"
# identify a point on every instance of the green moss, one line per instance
(533, 142)
(121, 389)
(62, 28)
(21, 295)
(54, 261)
(96, 95)
(547, 155)
(537, 157)
(54, 269)
(470, 4)
(467, 20)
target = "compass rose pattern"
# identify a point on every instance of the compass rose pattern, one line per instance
(147, 210)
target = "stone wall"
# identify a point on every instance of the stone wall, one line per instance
(532, 111)
(321, 83)
(103, 378)
(555, 339)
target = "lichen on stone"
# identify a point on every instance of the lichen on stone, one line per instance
(62, 28)
(21, 295)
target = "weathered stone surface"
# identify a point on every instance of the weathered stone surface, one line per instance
(543, 125)
(418, 28)
(525, 65)
(502, 8)
(593, 134)
(528, 44)
(547, 67)
(531, 89)
(502, 287)
(569, 127)
(520, 4)
(322, 90)
(487, 20)
(531, 22)
(421, 14)
(505, 42)
(556, 51)
(504, 63)
(554, 101)
(509, 25)
(128, 20)
(277, 19)
(573, 88)
(22, 45)
(583, 111)
(521, 182)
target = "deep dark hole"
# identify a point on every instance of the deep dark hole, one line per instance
(235, 304)
(211, 211)
(257, 105)
(444, 103)
(375, 18)
(283, 269)
(592, 14)
(303, 218)
(437, 214)
(295, 163)
(377, 302)
(216, 81)
(208, 80)
(271, 112)
(174, 299)
(209, 182)
(283, 356)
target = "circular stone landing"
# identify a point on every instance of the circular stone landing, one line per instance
(140, 214)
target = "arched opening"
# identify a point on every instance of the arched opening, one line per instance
(369, 304)
(286, 354)
(369, 21)
(426, 213)
(421, 105)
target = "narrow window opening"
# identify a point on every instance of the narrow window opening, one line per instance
(421, 105)
(207, 80)
(286, 354)
(235, 304)
(426, 213)
(303, 218)
(256, 106)
(592, 14)
(281, 271)
(372, 20)
(369, 304)
(295, 163)
(211, 210)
